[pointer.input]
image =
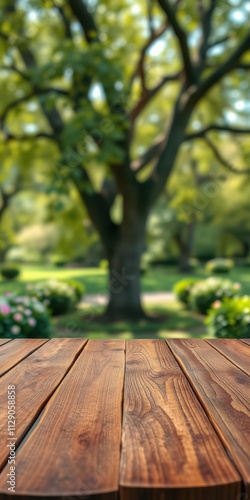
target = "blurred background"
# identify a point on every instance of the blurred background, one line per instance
(125, 168)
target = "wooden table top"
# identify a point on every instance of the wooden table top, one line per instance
(141, 419)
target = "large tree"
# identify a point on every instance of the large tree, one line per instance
(95, 69)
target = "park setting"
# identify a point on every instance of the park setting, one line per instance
(124, 249)
(125, 169)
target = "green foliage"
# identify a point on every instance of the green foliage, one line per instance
(230, 318)
(77, 287)
(145, 263)
(104, 264)
(57, 296)
(204, 293)
(194, 263)
(219, 266)
(183, 288)
(10, 273)
(23, 317)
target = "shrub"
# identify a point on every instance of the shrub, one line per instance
(194, 263)
(77, 287)
(104, 264)
(246, 262)
(204, 293)
(230, 318)
(219, 266)
(60, 263)
(23, 317)
(10, 273)
(145, 263)
(183, 288)
(57, 296)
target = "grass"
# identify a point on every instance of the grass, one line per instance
(179, 323)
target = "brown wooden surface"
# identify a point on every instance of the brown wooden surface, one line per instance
(4, 341)
(237, 352)
(167, 439)
(185, 416)
(15, 351)
(246, 341)
(230, 492)
(74, 448)
(35, 379)
(225, 394)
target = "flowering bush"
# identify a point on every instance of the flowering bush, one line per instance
(230, 318)
(219, 266)
(23, 317)
(204, 293)
(77, 287)
(57, 296)
(182, 289)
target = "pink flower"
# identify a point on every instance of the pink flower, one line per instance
(4, 309)
(27, 312)
(32, 321)
(18, 317)
(217, 304)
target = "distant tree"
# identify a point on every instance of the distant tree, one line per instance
(92, 69)
(6, 195)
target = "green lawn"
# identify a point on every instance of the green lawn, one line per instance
(179, 322)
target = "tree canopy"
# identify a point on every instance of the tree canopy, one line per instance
(107, 96)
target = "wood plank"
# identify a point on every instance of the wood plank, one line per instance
(237, 352)
(4, 341)
(225, 394)
(168, 443)
(246, 341)
(105, 496)
(35, 379)
(74, 448)
(13, 352)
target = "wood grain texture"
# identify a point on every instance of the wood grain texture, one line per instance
(225, 394)
(74, 449)
(246, 341)
(15, 351)
(35, 378)
(167, 440)
(105, 496)
(237, 352)
(225, 492)
(4, 341)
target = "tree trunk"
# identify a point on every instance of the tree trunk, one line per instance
(124, 270)
(185, 246)
(246, 248)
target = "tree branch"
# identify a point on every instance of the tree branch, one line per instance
(98, 207)
(220, 128)
(65, 20)
(16, 70)
(243, 66)
(150, 154)
(190, 73)
(148, 94)
(206, 23)
(85, 19)
(39, 135)
(139, 69)
(35, 92)
(221, 71)
(218, 42)
(223, 160)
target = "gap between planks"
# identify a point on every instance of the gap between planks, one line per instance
(230, 421)
(29, 374)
